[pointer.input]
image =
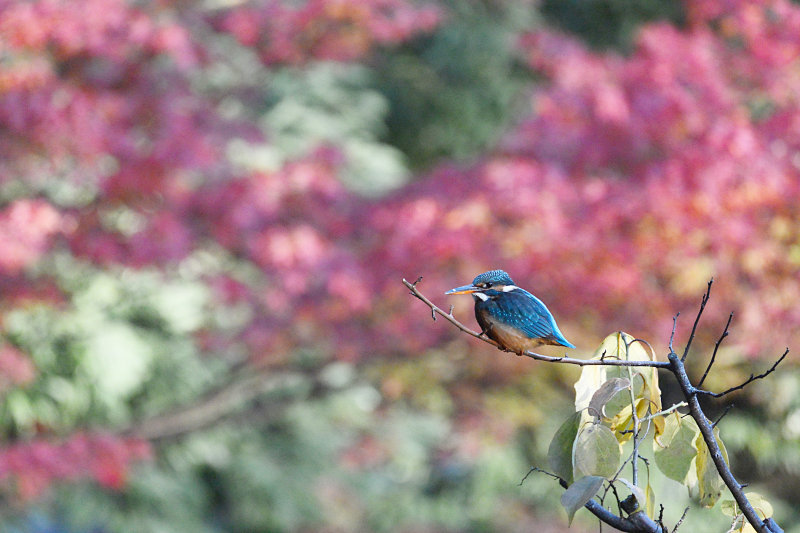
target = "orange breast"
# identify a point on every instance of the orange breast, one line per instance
(510, 338)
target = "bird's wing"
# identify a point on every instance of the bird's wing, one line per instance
(528, 313)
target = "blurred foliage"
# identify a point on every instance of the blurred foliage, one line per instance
(453, 93)
(331, 103)
(123, 349)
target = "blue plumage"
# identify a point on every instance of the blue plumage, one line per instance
(512, 316)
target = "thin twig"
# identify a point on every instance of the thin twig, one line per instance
(616, 497)
(537, 469)
(683, 516)
(672, 335)
(703, 303)
(714, 353)
(666, 411)
(533, 355)
(636, 428)
(721, 416)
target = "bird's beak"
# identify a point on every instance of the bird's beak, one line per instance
(464, 289)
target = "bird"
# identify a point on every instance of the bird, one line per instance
(516, 319)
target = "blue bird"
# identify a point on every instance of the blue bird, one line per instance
(513, 317)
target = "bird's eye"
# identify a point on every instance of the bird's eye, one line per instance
(487, 284)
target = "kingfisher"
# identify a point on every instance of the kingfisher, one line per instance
(512, 316)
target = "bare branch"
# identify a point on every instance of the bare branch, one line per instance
(716, 347)
(748, 381)
(707, 431)
(540, 470)
(672, 335)
(666, 411)
(533, 355)
(703, 303)
(215, 406)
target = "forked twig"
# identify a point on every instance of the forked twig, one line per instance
(703, 303)
(714, 353)
(748, 381)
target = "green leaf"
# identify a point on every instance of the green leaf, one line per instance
(579, 493)
(729, 508)
(675, 450)
(606, 391)
(761, 505)
(596, 452)
(559, 455)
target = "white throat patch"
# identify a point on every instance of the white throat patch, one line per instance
(480, 295)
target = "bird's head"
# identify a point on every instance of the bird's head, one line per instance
(493, 280)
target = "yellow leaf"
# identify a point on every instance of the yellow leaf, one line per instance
(650, 507)
(659, 424)
(622, 423)
(709, 482)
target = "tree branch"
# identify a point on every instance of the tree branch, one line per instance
(714, 353)
(703, 303)
(748, 381)
(637, 522)
(706, 429)
(213, 407)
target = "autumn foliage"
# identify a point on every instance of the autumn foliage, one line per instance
(628, 183)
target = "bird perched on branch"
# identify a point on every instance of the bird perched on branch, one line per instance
(513, 317)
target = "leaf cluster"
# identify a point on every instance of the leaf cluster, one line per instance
(621, 405)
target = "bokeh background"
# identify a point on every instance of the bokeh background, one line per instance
(208, 207)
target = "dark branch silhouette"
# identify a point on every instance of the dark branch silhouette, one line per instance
(703, 303)
(714, 353)
(749, 380)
